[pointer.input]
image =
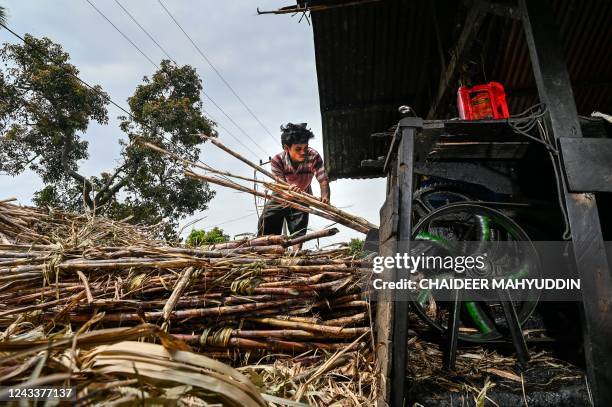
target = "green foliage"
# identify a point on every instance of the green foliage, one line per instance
(44, 110)
(2, 15)
(356, 247)
(168, 103)
(201, 237)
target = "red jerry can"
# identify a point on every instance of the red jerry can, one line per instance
(482, 102)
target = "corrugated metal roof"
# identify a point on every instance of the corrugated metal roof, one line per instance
(374, 57)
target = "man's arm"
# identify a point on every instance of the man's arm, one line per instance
(325, 192)
(321, 176)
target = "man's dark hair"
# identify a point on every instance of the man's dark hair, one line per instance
(295, 133)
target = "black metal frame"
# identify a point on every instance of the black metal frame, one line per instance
(412, 143)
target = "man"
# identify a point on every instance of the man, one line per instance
(297, 165)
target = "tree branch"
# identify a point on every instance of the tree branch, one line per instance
(87, 186)
(103, 200)
(103, 192)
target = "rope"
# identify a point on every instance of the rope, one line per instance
(245, 286)
(219, 338)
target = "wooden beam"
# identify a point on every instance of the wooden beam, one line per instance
(385, 304)
(462, 48)
(590, 257)
(409, 127)
(367, 108)
(506, 10)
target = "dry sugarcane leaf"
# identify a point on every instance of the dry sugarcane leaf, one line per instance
(281, 401)
(22, 368)
(186, 360)
(233, 395)
(503, 373)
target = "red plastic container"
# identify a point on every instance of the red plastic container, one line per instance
(482, 102)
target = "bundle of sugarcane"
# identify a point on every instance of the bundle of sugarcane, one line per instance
(280, 191)
(27, 225)
(217, 299)
(241, 295)
(115, 366)
(63, 294)
(109, 366)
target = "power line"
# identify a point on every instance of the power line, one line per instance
(121, 32)
(208, 61)
(173, 60)
(229, 221)
(168, 55)
(99, 92)
(235, 124)
(229, 132)
(106, 97)
(145, 31)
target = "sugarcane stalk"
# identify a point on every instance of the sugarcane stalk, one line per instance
(189, 313)
(333, 217)
(251, 164)
(270, 333)
(277, 345)
(349, 320)
(283, 183)
(179, 287)
(330, 330)
(311, 236)
(314, 201)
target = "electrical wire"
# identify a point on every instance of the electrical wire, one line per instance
(145, 31)
(554, 158)
(527, 121)
(235, 124)
(209, 62)
(230, 220)
(46, 56)
(173, 60)
(229, 132)
(121, 32)
(522, 124)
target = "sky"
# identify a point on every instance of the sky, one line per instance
(267, 59)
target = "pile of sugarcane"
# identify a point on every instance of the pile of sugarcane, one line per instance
(27, 225)
(112, 366)
(241, 296)
(278, 190)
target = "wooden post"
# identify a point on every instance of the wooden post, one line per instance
(395, 235)
(555, 90)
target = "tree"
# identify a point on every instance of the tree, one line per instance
(166, 111)
(356, 247)
(199, 237)
(44, 110)
(2, 15)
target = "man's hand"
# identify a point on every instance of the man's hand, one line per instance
(325, 200)
(291, 188)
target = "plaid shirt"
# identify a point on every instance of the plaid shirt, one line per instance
(303, 174)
